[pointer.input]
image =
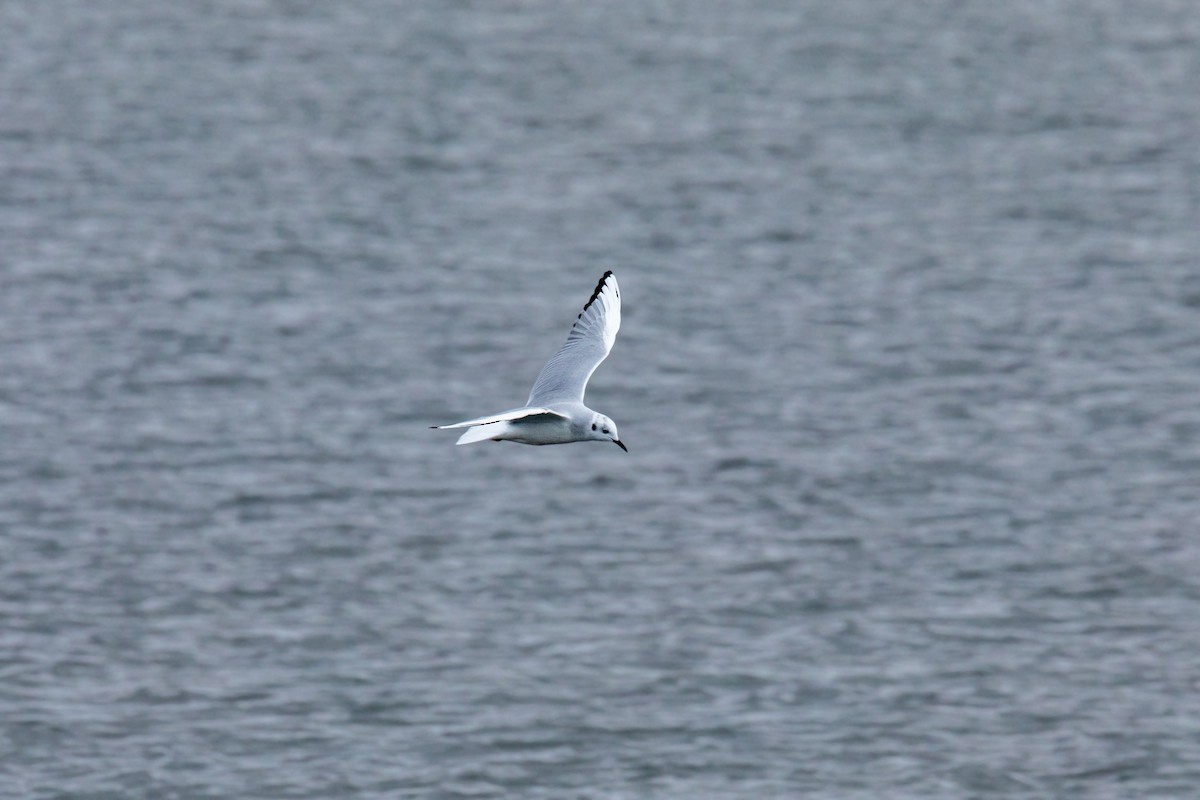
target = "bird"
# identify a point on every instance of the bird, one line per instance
(554, 412)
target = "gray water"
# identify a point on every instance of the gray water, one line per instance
(909, 374)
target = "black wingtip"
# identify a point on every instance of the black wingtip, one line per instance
(596, 292)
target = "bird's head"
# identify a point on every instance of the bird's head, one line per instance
(604, 429)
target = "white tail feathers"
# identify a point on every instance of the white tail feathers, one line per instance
(481, 433)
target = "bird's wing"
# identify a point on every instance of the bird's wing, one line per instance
(565, 376)
(514, 414)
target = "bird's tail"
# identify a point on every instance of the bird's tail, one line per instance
(481, 433)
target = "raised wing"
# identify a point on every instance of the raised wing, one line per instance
(505, 416)
(565, 376)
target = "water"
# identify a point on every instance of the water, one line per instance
(909, 376)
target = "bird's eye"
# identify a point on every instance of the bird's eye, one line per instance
(593, 426)
(605, 430)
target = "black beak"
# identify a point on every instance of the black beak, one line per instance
(621, 445)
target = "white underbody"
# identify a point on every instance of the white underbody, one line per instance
(536, 428)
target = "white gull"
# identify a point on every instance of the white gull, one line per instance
(554, 412)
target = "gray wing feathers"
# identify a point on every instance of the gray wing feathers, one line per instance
(511, 415)
(565, 376)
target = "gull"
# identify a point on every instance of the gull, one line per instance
(554, 412)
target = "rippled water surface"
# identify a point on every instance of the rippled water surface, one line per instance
(909, 374)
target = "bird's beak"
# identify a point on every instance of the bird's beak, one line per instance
(621, 445)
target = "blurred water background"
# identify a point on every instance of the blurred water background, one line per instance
(909, 374)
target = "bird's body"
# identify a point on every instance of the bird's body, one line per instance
(555, 413)
(556, 425)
